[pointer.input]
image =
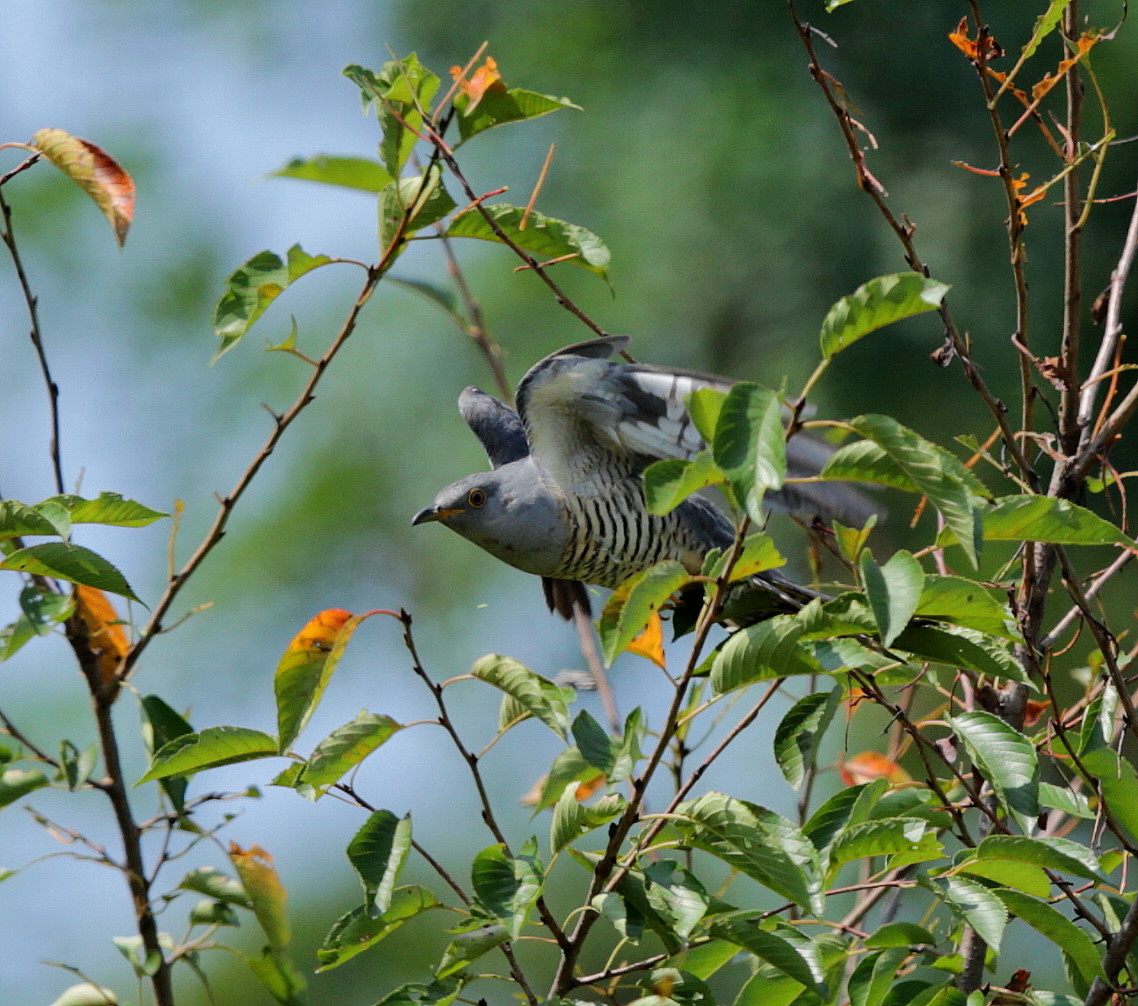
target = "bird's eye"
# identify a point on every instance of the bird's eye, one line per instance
(476, 498)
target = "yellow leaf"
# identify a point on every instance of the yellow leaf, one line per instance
(265, 891)
(319, 633)
(481, 81)
(96, 172)
(650, 642)
(106, 637)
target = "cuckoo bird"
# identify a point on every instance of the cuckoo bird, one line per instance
(564, 499)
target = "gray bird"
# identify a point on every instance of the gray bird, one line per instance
(564, 500)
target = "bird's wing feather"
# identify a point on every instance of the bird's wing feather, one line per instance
(495, 424)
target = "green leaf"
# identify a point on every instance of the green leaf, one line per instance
(758, 842)
(18, 782)
(1043, 518)
(957, 647)
(1005, 758)
(343, 749)
(677, 895)
(1045, 24)
(438, 993)
(908, 837)
(469, 946)
(20, 519)
(508, 887)
(1059, 854)
(705, 959)
(750, 445)
(877, 303)
(253, 287)
(275, 970)
(215, 885)
(874, 975)
(668, 483)
(410, 204)
(533, 692)
(306, 667)
(1007, 873)
(572, 819)
(893, 591)
(800, 732)
(976, 905)
(758, 555)
(704, 406)
(844, 807)
(401, 91)
(1056, 927)
(40, 613)
(544, 237)
(87, 994)
(349, 172)
(1119, 784)
(354, 932)
(776, 951)
(569, 766)
(635, 601)
(596, 747)
(760, 652)
(900, 934)
(1066, 800)
(498, 106)
(107, 508)
(968, 604)
(210, 748)
(161, 724)
(377, 853)
(65, 561)
(935, 472)
(213, 913)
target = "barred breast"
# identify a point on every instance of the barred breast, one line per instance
(613, 536)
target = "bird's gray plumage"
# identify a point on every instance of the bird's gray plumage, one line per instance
(564, 499)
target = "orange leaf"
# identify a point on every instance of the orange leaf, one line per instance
(481, 81)
(319, 633)
(870, 765)
(106, 637)
(96, 172)
(265, 891)
(650, 642)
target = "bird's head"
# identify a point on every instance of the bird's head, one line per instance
(508, 512)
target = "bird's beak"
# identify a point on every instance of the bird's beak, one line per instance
(430, 513)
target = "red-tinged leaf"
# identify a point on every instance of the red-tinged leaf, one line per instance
(95, 172)
(478, 83)
(870, 765)
(265, 891)
(306, 668)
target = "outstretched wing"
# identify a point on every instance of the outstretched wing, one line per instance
(496, 426)
(591, 420)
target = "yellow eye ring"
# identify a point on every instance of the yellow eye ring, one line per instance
(476, 498)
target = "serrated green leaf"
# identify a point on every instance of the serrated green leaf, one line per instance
(74, 563)
(343, 749)
(535, 693)
(1051, 853)
(935, 472)
(635, 601)
(800, 732)
(704, 406)
(438, 993)
(569, 766)
(544, 237)
(1044, 25)
(252, 287)
(1060, 930)
(354, 932)
(760, 652)
(772, 949)
(1005, 758)
(469, 946)
(1007, 873)
(348, 172)
(669, 482)
(508, 887)
(210, 748)
(498, 106)
(161, 724)
(306, 667)
(377, 853)
(968, 604)
(759, 843)
(875, 973)
(959, 647)
(835, 813)
(893, 591)
(572, 819)
(1119, 783)
(107, 508)
(275, 970)
(877, 303)
(677, 895)
(401, 91)
(40, 613)
(750, 445)
(977, 906)
(1046, 519)
(896, 835)
(19, 519)
(1066, 800)
(900, 934)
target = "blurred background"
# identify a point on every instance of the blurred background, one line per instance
(707, 160)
